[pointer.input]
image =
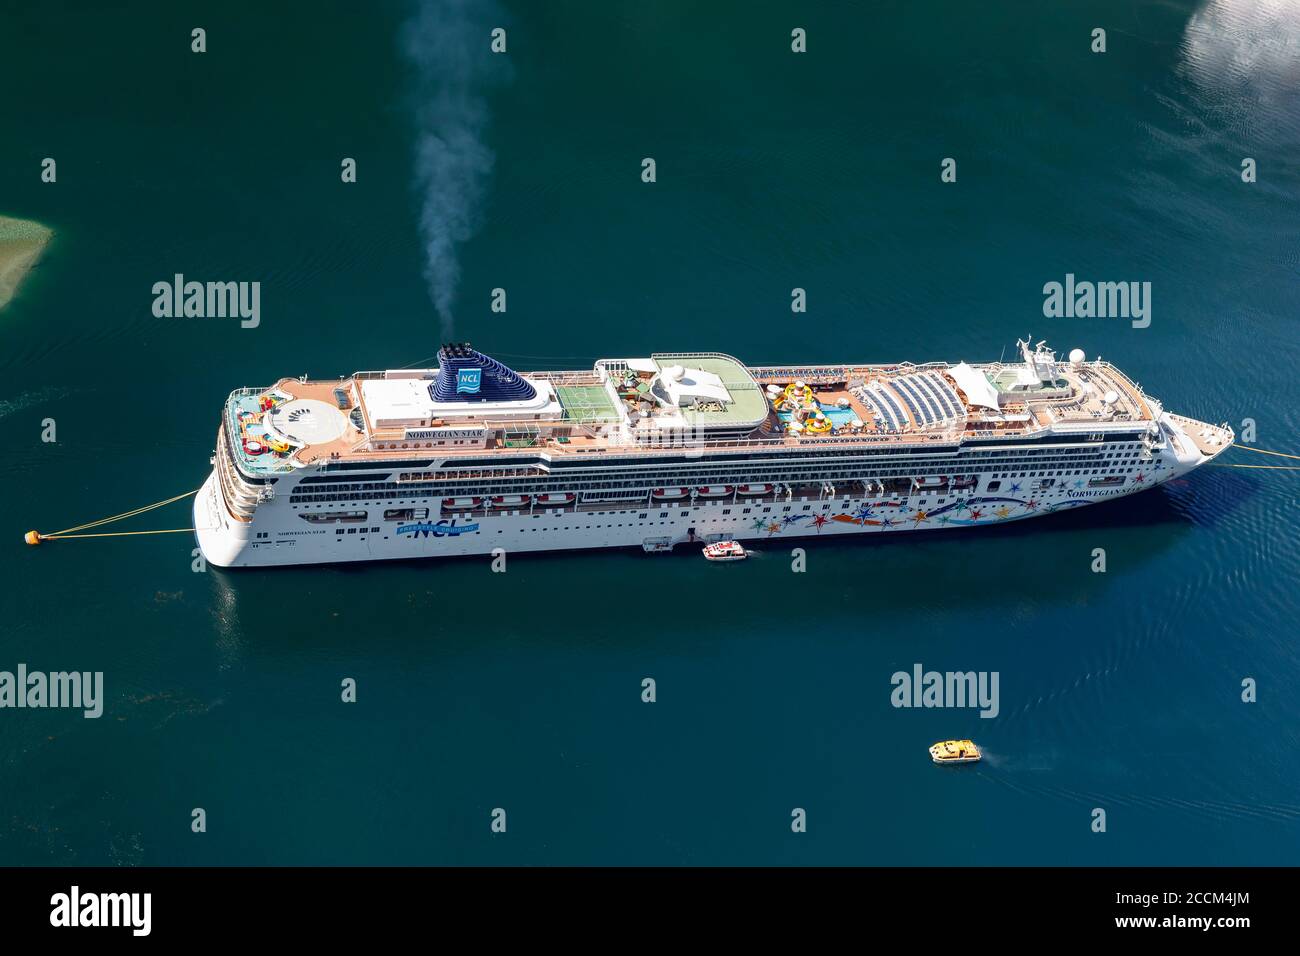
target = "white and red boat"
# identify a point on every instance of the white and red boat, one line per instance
(714, 491)
(554, 500)
(754, 489)
(725, 551)
(459, 504)
(671, 494)
(510, 501)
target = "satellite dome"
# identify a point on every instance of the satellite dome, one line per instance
(1110, 398)
(1077, 356)
(674, 373)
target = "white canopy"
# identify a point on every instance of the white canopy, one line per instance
(977, 388)
(693, 383)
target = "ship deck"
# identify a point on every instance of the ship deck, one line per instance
(594, 424)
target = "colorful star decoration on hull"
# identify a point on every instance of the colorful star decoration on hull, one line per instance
(962, 511)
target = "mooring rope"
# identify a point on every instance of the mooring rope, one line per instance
(35, 537)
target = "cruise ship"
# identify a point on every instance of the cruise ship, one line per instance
(680, 448)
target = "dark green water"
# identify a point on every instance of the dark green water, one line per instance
(478, 690)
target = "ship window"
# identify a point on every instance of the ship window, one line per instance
(994, 485)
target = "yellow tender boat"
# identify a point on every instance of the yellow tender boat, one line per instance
(955, 751)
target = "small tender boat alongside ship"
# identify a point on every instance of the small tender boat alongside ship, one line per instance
(725, 551)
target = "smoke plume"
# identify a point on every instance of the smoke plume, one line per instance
(447, 43)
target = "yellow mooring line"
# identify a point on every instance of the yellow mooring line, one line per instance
(36, 537)
(1215, 464)
(1261, 451)
(1265, 451)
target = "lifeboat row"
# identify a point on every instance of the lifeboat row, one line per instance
(557, 500)
(943, 481)
(509, 501)
(711, 491)
(666, 494)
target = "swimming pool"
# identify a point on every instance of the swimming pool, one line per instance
(838, 416)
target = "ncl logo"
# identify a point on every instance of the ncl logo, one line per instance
(468, 380)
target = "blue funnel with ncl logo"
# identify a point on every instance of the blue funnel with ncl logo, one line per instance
(467, 375)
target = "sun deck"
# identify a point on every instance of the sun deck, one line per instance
(703, 401)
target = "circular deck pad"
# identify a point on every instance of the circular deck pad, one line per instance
(308, 421)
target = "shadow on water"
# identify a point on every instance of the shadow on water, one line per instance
(455, 604)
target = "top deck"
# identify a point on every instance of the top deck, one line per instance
(706, 401)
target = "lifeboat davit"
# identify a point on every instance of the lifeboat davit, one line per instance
(509, 501)
(669, 494)
(547, 501)
(754, 489)
(714, 491)
(457, 504)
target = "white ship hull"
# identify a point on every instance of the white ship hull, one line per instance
(278, 535)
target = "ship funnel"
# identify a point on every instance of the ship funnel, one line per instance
(467, 375)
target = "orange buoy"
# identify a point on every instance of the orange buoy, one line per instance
(32, 537)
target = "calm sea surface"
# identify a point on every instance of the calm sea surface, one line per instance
(522, 691)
